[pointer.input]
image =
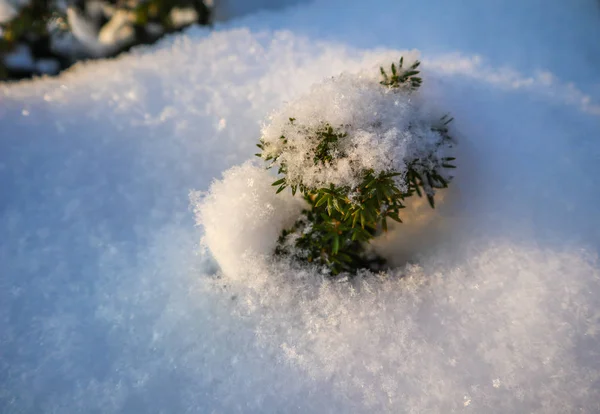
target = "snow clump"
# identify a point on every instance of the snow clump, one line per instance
(243, 216)
(381, 129)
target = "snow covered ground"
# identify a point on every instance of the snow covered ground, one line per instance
(108, 304)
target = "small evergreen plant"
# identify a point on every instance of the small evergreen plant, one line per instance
(340, 221)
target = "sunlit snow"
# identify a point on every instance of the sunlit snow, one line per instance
(111, 302)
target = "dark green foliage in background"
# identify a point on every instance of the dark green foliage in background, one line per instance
(30, 26)
(38, 22)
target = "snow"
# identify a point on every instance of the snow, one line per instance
(98, 42)
(183, 17)
(227, 9)
(118, 31)
(237, 208)
(7, 11)
(383, 130)
(109, 303)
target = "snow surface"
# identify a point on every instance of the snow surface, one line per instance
(109, 304)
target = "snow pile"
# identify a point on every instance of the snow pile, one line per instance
(107, 306)
(501, 330)
(496, 323)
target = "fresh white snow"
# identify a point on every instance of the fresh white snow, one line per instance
(384, 128)
(110, 301)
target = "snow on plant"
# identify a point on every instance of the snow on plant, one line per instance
(242, 216)
(355, 149)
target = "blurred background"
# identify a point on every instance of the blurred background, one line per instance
(110, 303)
(44, 37)
(47, 36)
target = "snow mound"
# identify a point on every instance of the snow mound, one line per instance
(498, 328)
